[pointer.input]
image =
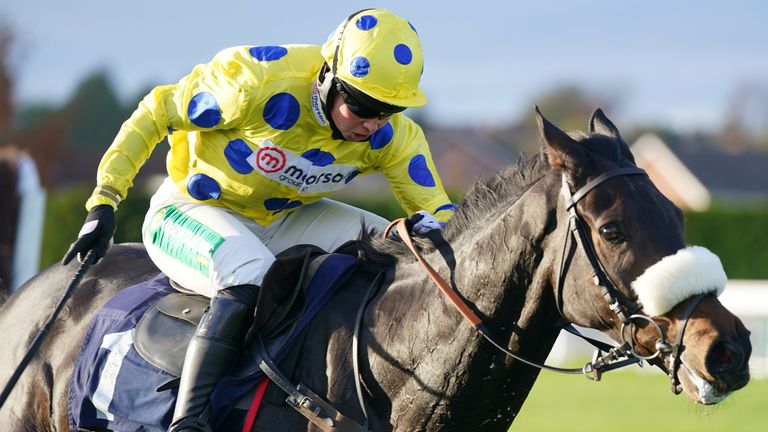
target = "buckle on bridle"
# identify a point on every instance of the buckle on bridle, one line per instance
(590, 370)
(594, 369)
(615, 358)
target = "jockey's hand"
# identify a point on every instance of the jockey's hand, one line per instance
(422, 222)
(95, 235)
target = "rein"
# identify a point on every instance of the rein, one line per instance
(624, 307)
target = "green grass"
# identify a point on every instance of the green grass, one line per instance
(632, 401)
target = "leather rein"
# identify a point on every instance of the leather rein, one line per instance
(606, 357)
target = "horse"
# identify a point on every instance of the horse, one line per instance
(516, 260)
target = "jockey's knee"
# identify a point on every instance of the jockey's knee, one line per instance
(245, 294)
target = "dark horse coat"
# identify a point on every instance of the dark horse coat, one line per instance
(423, 368)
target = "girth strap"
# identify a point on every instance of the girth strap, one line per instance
(304, 400)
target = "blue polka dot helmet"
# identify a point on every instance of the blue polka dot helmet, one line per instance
(379, 54)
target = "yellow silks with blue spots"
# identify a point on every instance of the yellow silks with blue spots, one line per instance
(247, 132)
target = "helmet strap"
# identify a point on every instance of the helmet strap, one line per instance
(327, 91)
(324, 84)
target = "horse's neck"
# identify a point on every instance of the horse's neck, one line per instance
(438, 364)
(504, 269)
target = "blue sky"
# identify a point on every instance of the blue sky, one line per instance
(675, 63)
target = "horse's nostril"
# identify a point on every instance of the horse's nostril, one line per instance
(724, 357)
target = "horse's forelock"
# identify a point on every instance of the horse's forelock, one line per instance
(609, 148)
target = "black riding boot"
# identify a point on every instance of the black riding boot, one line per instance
(210, 356)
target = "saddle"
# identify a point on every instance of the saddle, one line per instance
(164, 331)
(284, 307)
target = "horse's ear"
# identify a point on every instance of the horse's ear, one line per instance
(599, 124)
(562, 151)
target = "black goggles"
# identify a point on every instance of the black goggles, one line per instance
(363, 105)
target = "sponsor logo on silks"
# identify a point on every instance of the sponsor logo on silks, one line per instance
(184, 239)
(298, 172)
(269, 159)
(317, 106)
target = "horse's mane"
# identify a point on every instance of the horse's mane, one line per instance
(486, 196)
(498, 191)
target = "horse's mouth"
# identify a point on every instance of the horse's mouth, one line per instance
(699, 389)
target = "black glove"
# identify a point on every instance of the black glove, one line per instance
(95, 235)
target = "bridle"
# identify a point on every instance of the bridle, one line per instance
(626, 309)
(606, 357)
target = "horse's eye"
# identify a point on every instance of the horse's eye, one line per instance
(612, 233)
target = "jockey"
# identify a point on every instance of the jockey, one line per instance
(258, 137)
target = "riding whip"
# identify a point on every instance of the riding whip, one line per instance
(46, 327)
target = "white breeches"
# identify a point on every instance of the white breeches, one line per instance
(206, 248)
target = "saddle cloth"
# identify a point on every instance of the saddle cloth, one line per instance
(114, 387)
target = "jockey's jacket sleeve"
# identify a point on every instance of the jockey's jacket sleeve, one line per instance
(206, 99)
(412, 175)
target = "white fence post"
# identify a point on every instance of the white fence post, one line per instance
(29, 229)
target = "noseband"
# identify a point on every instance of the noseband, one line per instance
(626, 309)
(606, 357)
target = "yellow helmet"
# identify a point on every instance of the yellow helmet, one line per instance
(379, 54)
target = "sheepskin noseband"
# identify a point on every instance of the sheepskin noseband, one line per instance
(691, 271)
